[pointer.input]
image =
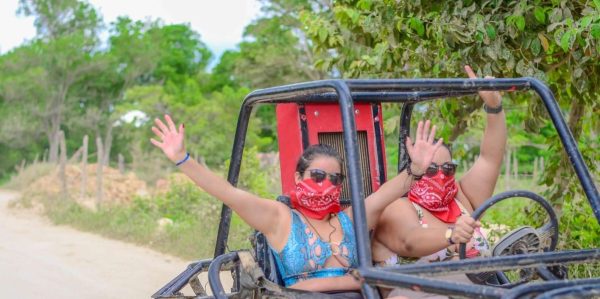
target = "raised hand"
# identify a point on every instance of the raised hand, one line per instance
(491, 98)
(171, 139)
(422, 151)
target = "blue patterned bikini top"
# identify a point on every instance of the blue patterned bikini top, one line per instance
(304, 255)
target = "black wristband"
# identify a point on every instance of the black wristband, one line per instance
(492, 110)
(415, 176)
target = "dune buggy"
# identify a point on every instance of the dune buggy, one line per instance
(347, 115)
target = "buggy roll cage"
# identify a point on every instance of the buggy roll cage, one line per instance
(408, 92)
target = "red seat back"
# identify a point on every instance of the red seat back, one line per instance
(300, 125)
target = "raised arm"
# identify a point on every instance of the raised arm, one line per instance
(421, 154)
(261, 214)
(479, 182)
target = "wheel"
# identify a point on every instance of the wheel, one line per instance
(523, 240)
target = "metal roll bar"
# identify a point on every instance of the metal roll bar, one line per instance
(345, 93)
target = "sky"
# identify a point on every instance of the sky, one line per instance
(220, 23)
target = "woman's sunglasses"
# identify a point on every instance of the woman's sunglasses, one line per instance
(319, 175)
(447, 168)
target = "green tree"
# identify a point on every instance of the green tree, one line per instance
(39, 77)
(555, 41)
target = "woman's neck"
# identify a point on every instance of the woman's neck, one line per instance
(325, 219)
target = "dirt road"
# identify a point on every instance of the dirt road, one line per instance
(41, 260)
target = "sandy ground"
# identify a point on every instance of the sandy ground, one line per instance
(41, 260)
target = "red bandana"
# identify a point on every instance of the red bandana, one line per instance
(316, 200)
(437, 195)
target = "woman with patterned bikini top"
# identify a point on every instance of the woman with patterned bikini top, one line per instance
(313, 242)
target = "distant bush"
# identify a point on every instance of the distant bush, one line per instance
(29, 174)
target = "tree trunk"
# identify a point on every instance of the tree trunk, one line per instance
(108, 138)
(55, 119)
(463, 117)
(99, 171)
(21, 166)
(84, 158)
(54, 143)
(63, 165)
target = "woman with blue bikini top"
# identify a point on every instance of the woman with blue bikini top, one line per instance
(313, 242)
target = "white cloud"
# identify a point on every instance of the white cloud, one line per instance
(13, 30)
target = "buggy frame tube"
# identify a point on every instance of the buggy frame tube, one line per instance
(566, 137)
(352, 163)
(405, 116)
(345, 89)
(506, 262)
(214, 271)
(519, 291)
(382, 277)
(177, 283)
(578, 291)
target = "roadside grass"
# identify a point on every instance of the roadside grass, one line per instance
(182, 222)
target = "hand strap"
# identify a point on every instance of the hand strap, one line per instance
(187, 157)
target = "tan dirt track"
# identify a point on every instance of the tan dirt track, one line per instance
(42, 260)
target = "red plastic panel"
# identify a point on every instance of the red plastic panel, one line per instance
(322, 118)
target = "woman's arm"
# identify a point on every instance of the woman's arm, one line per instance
(262, 215)
(421, 154)
(479, 182)
(400, 231)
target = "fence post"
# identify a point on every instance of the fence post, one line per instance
(507, 169)
(84, 158)
(63, 164)
(22, 166)
(535, 169)
(515, 166)
(99, 171)
(121, 164)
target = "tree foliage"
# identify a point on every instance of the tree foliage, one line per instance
(555, 41)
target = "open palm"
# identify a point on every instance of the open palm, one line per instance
(171, 139)
(423, 150)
